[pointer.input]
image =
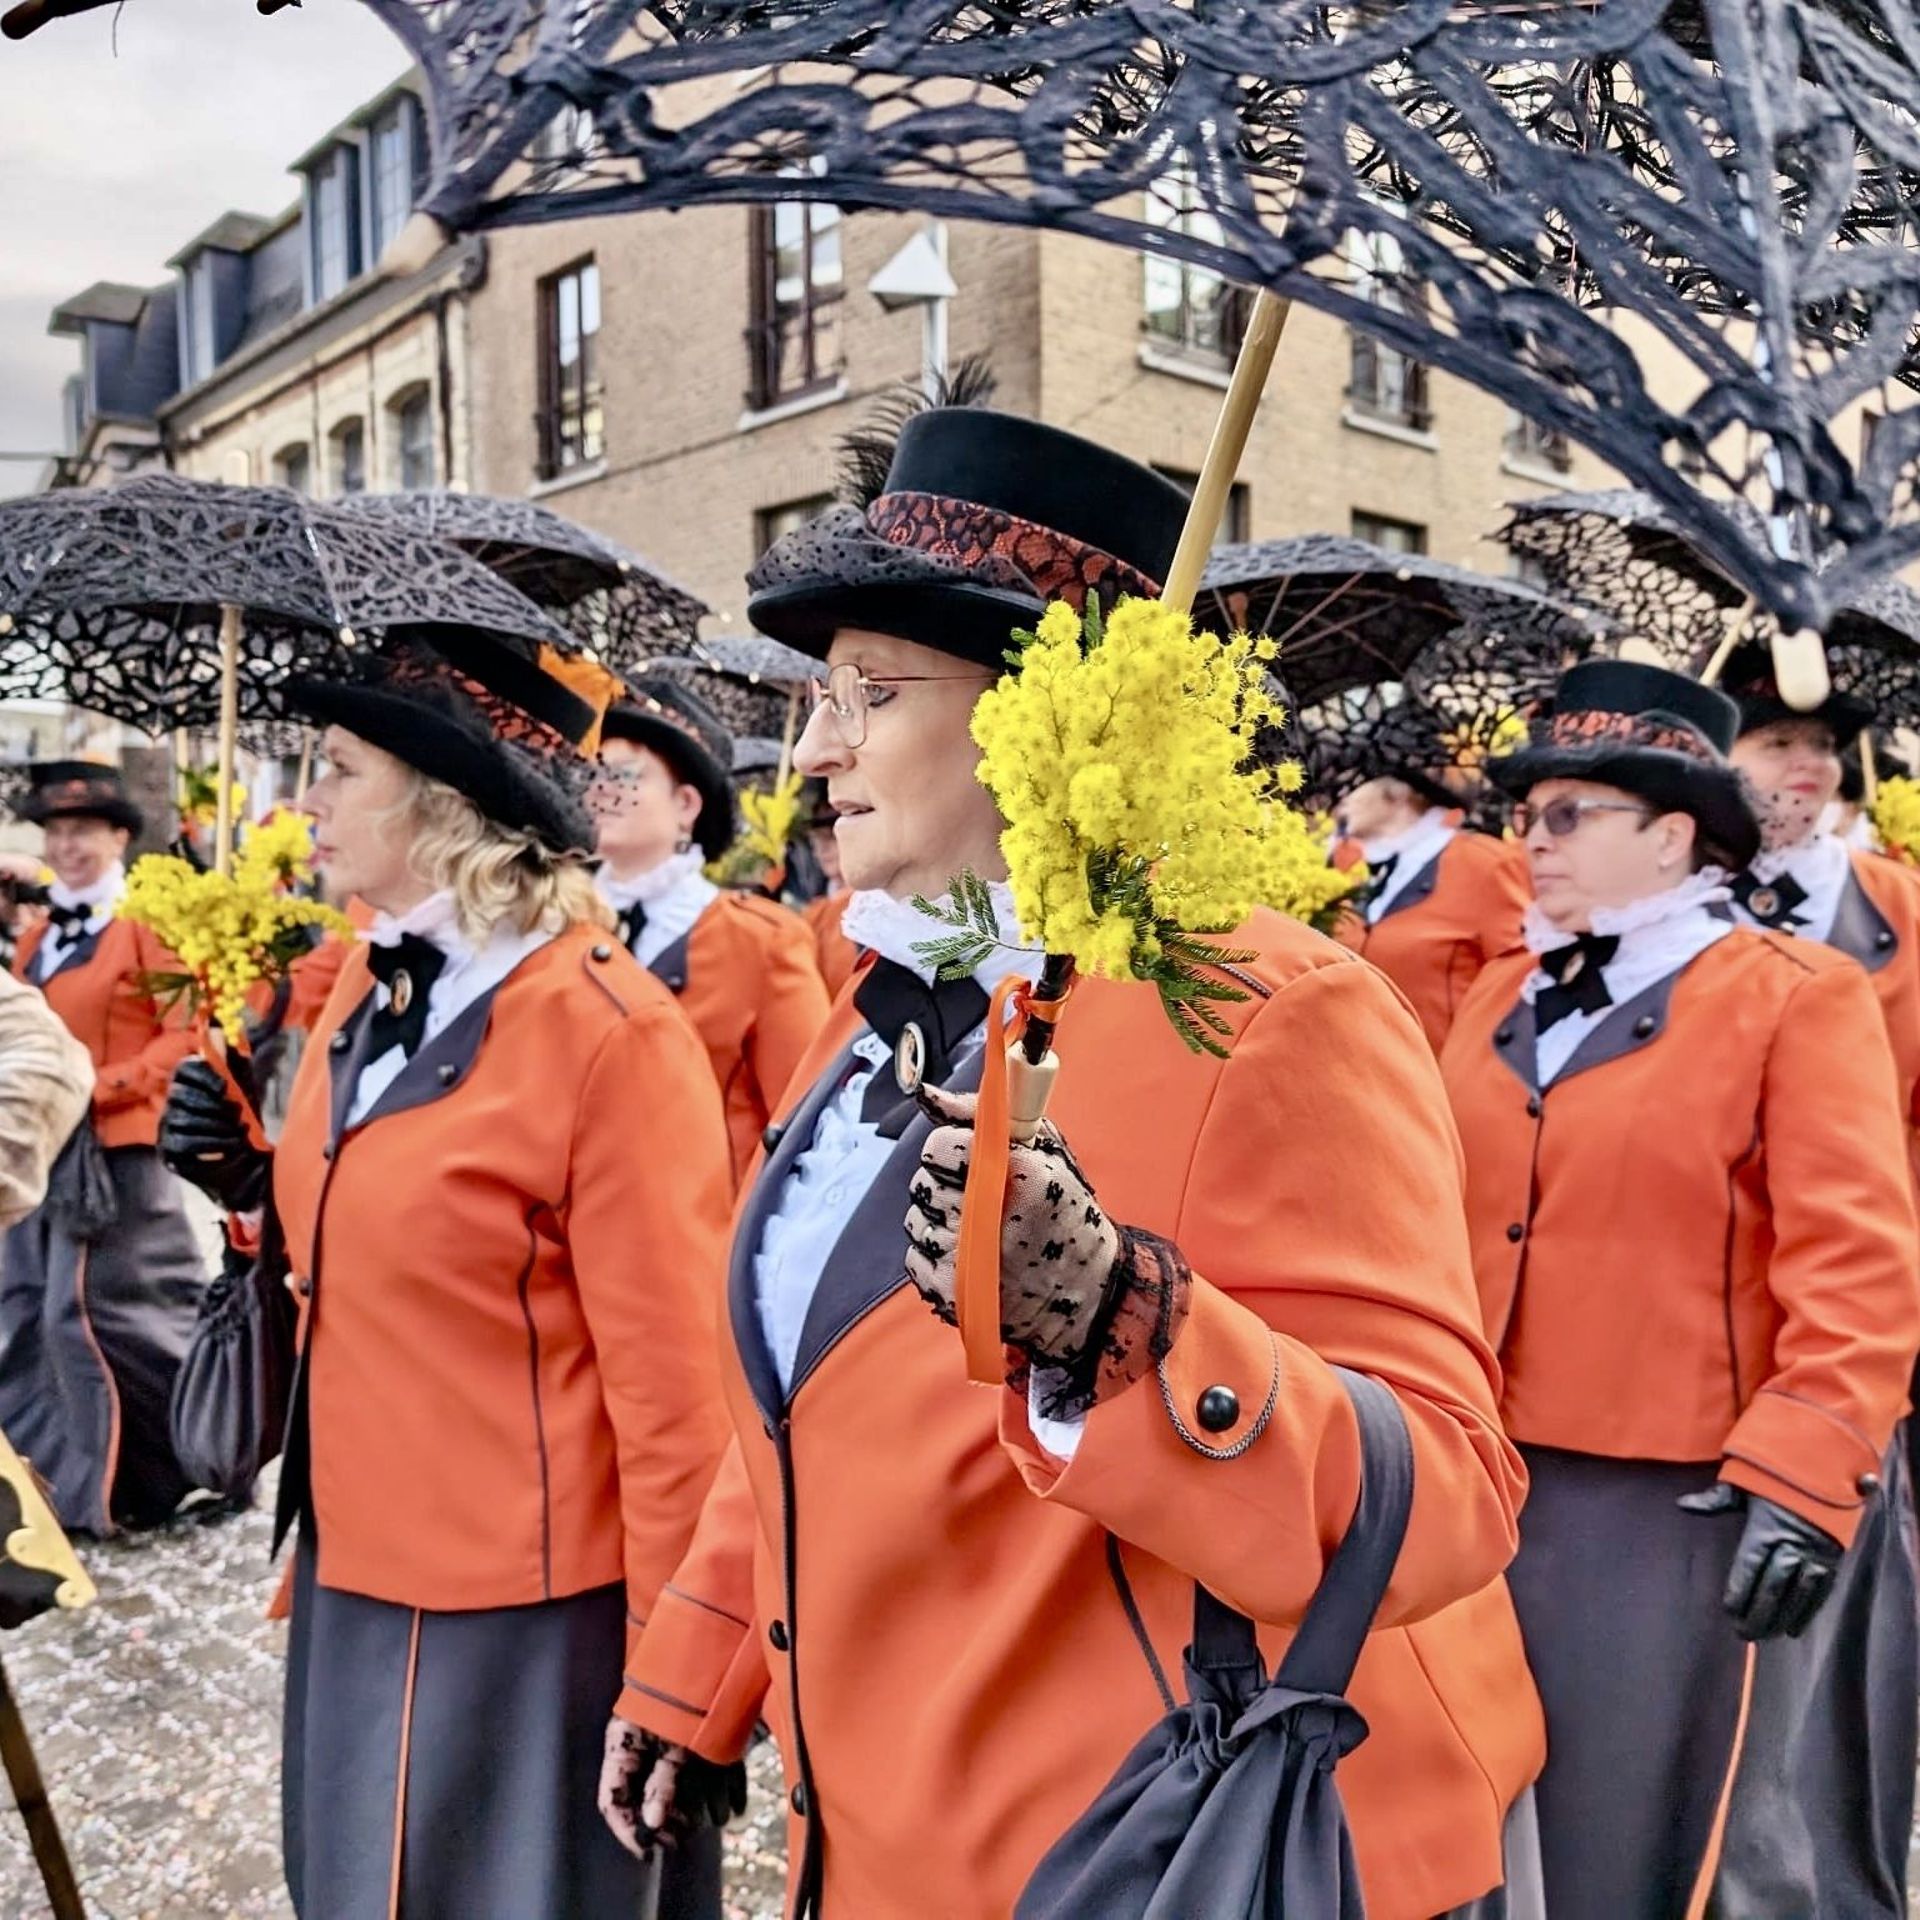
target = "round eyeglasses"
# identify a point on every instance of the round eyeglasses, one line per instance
(849, 695)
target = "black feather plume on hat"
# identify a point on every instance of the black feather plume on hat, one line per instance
(866, 453)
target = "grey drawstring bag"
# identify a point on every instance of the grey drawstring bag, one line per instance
(1228, 1808)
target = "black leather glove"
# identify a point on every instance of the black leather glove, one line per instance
(1782, 1569)
(204, 1139)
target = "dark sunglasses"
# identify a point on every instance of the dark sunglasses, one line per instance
(1562, 817)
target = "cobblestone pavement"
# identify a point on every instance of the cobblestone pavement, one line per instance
(156, 1716)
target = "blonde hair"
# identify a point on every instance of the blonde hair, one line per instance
(495, 873)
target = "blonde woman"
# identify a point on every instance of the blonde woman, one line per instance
(503, 1185)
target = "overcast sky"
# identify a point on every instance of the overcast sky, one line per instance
(111, 161)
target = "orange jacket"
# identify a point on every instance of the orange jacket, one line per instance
(834, 952)
(1699, 1240)
(1446, 925)
(508, 1271)
(747, 979)
(135, 1042)
(1880, 926)
(896, 1552)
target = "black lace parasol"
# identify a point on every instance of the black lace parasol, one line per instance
(1509, 191)
(621, 606)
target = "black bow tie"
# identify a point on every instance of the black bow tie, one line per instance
(1579, 985)
(896, 1003)
(1771, 903)
(69, 922)
(1379, 872)
(632, 923)
(407, 970)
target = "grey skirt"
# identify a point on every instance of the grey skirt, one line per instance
(436, 1765)
(1639, 1671)
(1822, 1812)
(91, 1337)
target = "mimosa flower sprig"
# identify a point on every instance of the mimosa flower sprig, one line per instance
(1896, 818)
(200, 796)
(1120, 752)
(231, 931)
(771, 817)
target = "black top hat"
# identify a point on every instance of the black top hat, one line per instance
(1749, 678)
(986, 517)
(471, 710)
(686, 733)
(1649, 732)
(78, 790)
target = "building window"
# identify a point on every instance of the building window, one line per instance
(196, 320)
(1189, 309)
(336, 221)
(1529, 569)
(798, 282)
(1396, 536)
(413, 438)
(566, 141)
(348, 446)
(1539, 446)
(775, 523)
(393, 170)
(1236, 518)
(293, 467)
(1386, 383)
(571, 422)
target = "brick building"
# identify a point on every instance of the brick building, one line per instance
(680, 380)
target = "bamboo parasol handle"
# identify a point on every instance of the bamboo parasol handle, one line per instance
(1214, 487)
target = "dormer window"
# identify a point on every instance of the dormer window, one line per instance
(334, 190)
(395, 139)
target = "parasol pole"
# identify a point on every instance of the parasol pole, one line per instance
(303, 774)
(1869, 770)
(229, 731)
(1013, 1102)
(1031, 1079)
(1717, 661)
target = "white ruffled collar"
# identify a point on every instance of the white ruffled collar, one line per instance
(103, 893)
(647, 889)
(1811, 861)
(894, 928)
(1707, 888)
(435, 920)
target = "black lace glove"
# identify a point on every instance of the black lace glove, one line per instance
(204, 1139)
(1782, 1569)
(1095, 1303)
(654, 1794)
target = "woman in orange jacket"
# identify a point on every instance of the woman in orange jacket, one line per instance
(1695, 1245)
(743, 968)
(825, 913)
(1443, 900)
(502, 1182)
(1808, 882)
(95, 1313)
(960, 1608)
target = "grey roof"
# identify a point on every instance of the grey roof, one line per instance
(109, 300)
(231, 233)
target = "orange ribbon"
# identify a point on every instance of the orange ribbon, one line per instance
(215, 1046)
(976, 1284)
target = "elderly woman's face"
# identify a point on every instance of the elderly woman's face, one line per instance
(1613, 849)
(910, 813)
(361, 843)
